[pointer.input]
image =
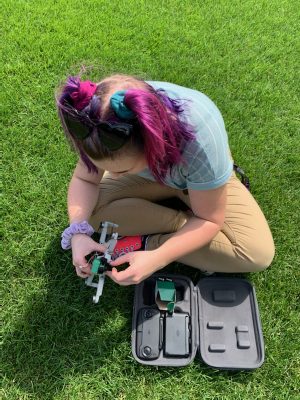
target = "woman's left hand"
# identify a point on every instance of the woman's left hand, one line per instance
(141, 265)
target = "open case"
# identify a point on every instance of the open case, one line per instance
(218, 317)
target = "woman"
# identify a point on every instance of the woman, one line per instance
(140, 142)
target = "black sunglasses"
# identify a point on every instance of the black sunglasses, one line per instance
(112, 135)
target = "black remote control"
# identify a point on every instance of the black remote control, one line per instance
(149, 333)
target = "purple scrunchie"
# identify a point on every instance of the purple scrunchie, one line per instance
(76, 227)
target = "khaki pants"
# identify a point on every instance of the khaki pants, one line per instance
(244, 244)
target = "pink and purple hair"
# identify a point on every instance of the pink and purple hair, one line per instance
(162, 127)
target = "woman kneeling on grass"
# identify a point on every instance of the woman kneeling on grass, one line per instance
(141, 142)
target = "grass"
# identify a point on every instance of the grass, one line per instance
(244, 55)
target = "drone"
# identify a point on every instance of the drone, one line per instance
(101, 262)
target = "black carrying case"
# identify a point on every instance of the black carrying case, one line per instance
(218, 317)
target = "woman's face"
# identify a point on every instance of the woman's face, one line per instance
(125, 164)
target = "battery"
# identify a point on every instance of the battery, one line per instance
(176, 340)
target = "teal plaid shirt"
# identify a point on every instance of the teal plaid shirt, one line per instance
(207, 163)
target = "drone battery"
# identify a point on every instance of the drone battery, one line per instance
(149, 333)
(176, 341)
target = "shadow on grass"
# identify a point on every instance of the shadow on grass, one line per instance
(61, 331)
(62, 334)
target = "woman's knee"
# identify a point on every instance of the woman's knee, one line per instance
(264, 259)
(258, 256)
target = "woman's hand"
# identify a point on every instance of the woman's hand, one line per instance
(82, 245)
(141, 265)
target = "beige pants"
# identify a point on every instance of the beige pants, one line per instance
(244, 244)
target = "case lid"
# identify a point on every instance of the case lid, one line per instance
(230, 332)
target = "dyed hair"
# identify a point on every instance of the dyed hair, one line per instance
(162, 130)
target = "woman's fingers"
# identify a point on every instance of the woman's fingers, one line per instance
(82, 246)
(83, 271)
(80, 273)
(122, 259)
(99, 247)
(123, 278)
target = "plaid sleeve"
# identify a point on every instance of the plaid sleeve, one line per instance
(208, 161)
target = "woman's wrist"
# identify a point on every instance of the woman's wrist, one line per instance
(161, 259)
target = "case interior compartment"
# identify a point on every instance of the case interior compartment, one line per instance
(159, 338)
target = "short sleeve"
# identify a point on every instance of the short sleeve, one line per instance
(208, 161)
(204, 175)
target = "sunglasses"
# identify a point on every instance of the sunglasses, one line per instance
(112, 135)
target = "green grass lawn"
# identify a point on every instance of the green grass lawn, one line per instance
(244, 55)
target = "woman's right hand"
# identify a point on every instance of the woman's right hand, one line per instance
(82, 245)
